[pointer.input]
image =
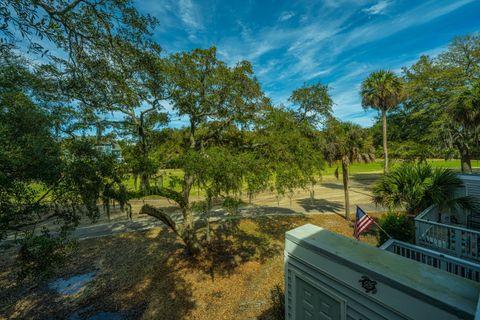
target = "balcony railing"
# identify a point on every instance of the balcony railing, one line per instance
(453, 239)
(459, 267)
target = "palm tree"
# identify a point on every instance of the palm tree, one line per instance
(347, 142)
(416, 186)
(382, 90)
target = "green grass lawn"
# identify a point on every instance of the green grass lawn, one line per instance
(453, 164)
(326, 175)
(377, 166)
(167, 174)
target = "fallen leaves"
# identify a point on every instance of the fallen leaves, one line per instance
(147, 275)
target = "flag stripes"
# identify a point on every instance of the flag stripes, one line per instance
(362, 222)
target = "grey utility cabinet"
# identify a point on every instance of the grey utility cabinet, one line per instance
(329, 276)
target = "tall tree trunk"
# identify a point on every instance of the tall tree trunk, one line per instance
(385, 148)
(144, 176)
(312, 193)
(345, 163)
(466, 161)
(106, 207)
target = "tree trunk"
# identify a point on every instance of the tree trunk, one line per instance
(186, 231)
(144, 182)
(385, 148)
(466, 161)
(345, 163)
(312, 194)
(189, 235)
(144, 176)
(107, 207)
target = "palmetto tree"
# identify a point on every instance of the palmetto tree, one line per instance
(382, 90)
(347, 142)
(416, 186)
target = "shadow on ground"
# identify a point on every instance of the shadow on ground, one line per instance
(146, 274)
(320, 205)
(234, 242)
(366, 180)
(135, 279)
(337, 186)
(257, 210)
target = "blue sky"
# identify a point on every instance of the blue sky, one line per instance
(336, 42)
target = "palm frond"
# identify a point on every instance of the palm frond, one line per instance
(416, 186)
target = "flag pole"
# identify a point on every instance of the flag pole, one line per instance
(381, 228)
(389, 236)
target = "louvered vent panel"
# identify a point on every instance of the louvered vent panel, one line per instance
(473, 189)
(289, 294)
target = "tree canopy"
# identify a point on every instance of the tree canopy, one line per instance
(444, 93)
(313, 103)
(234, 138)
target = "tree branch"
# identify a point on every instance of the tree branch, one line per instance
(162, 216)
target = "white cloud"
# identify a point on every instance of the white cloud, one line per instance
(190, 15)
(311, 50)
(378, 8)
(286, 16)
(342, 3)
(376, 31)
(324, 44)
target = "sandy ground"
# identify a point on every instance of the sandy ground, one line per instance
(146, 275)
(328, 199)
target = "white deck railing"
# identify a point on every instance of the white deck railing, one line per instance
(453, 239)
(459, 267)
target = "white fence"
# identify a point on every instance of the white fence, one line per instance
(459, 267)
(449, 238)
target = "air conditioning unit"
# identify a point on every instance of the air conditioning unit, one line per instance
(329, 276)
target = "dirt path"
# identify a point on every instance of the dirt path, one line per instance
(328, 199)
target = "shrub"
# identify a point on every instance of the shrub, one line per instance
(40, 256)
(232, 204)
(398, 225)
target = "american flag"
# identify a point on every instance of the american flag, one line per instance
(362, 222)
